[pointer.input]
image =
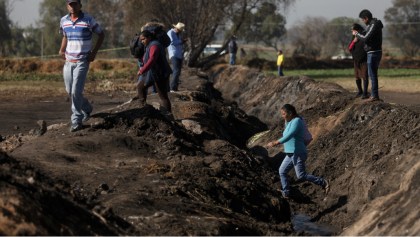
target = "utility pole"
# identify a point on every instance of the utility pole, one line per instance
(42, 43)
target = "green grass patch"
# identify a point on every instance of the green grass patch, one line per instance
(349, 73)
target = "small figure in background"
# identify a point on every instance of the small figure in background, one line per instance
(280, 60)
(233, 49)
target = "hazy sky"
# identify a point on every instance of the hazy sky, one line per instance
(26, 12)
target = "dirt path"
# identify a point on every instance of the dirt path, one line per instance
(21, 115)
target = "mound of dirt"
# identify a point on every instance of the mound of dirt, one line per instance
(33, 204)
(138, 171)
(163, 175)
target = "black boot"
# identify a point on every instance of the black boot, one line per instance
(365, 88)
(359, 87)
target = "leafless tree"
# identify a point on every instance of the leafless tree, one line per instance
(308, 36)
(403, 24)
(5, 24)
(201, 17)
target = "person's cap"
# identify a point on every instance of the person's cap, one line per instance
(180, 26)
(70, 1)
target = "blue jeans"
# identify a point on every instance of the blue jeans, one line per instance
(373, 60)
(176, 72)
(232, 58)
(74, 79)
(280, 70)
(296, 161)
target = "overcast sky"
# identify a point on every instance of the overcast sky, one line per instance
(26, 12)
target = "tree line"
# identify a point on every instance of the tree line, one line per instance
(252, 21)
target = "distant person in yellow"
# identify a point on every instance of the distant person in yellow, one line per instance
(280, 60)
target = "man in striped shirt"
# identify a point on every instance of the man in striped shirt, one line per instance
(76, 48)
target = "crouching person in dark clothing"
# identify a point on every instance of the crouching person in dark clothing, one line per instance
(155, 71)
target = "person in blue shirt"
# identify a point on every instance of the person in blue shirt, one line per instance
(295, 150)
(176, 53)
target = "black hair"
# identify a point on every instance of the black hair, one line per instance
(290, 109)
(365, 14)
(357, 27)
(147, 34)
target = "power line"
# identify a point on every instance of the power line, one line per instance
(57, 55)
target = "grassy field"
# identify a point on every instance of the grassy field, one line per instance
(397, 80)
(12, 83)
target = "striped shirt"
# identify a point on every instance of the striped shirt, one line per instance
(79, 35)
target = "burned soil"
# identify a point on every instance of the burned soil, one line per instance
(136, 171)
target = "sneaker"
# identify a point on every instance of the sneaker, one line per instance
(326, 187)
(364, 97)
(76, 127)
(360, 94)
(172, 91)
(86, 117)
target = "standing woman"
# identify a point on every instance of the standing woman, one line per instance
(295, 150)
(156, 70)
(356, 48)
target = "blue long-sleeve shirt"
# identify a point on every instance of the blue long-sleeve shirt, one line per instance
(293, 136)
(175, 49)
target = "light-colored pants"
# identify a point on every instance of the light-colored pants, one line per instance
(74, 79)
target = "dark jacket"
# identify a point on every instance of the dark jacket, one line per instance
(358, 52)
(373, 36)
(156, 69)
(233, 47)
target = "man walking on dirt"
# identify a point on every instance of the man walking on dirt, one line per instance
(76, 48)
(373, 46)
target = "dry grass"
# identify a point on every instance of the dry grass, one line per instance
(33, 89)
(385, 84)
(43, 89)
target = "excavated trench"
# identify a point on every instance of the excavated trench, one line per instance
(368, 151)
(134, 171)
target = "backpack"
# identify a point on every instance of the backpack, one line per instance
(136, 47)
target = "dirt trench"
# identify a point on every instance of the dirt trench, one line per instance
(368, 151)
(136, 171)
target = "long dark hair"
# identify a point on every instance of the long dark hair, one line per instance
(148, 34)
(290, 109)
